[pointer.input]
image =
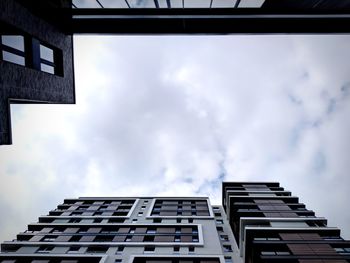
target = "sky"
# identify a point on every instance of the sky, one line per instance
(177, 115)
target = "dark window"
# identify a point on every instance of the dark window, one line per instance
(149, 249)
(73, 250)
(97, 249)
(120, 249)
(45, 249)
(227, 248)
(191, 249)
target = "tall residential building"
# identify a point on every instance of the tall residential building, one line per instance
(127, 230)
(264, 223)
(271, 225)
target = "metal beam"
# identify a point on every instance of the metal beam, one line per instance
(208, 21)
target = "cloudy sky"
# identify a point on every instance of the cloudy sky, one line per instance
(177, 115)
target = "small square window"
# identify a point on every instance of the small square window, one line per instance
(176, 249)
(219, 229)
(45, 249)
(178, 220)
(120, 249)
(118, 260)
(140, 214)
(224, 237)
(191, 249)
(73, 250)
(149, 249)
(157, 220)
(227, 248)
(190, 220)
(97, 250)
(219, 221)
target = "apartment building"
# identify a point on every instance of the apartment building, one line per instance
(128, 230)
(271, 225)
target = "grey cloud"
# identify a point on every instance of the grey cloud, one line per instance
(177, 115)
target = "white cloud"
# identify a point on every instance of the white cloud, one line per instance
(173, 115)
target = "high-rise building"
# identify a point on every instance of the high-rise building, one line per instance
(262, 223)
(128, 230)
(271, 225)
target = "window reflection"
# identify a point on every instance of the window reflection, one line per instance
(46, 53)
(47, 68)
(9, 57)
(14, 41)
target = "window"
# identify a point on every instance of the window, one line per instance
(228, 260)
(145, 202)
(120, 249)
(143, 207)
(227, 248)
(224, 237)
(118, 260)
(74, 220)
(149, 249)
(45, 249)
(97, 220)
(190, 220)
(49, 238)
(219, 229)
(219, 221)
(191, 249)
(157, 220)
(73, 250)
(176, 249)
(13, 49)
(217, 214)
(140, 214)
(96, 250)
(47, 63)
(178, 220)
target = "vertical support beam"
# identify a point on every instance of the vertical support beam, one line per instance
(237, 3)
(5, 121)
(36, 54)
(156, 3)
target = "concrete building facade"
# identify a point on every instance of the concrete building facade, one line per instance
(128, 230)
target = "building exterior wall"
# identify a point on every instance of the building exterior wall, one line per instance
(128, 230)
(271, 225)
(28, 84)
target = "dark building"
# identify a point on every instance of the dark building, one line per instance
(271, 225)
(36, 56)
(36, 61)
